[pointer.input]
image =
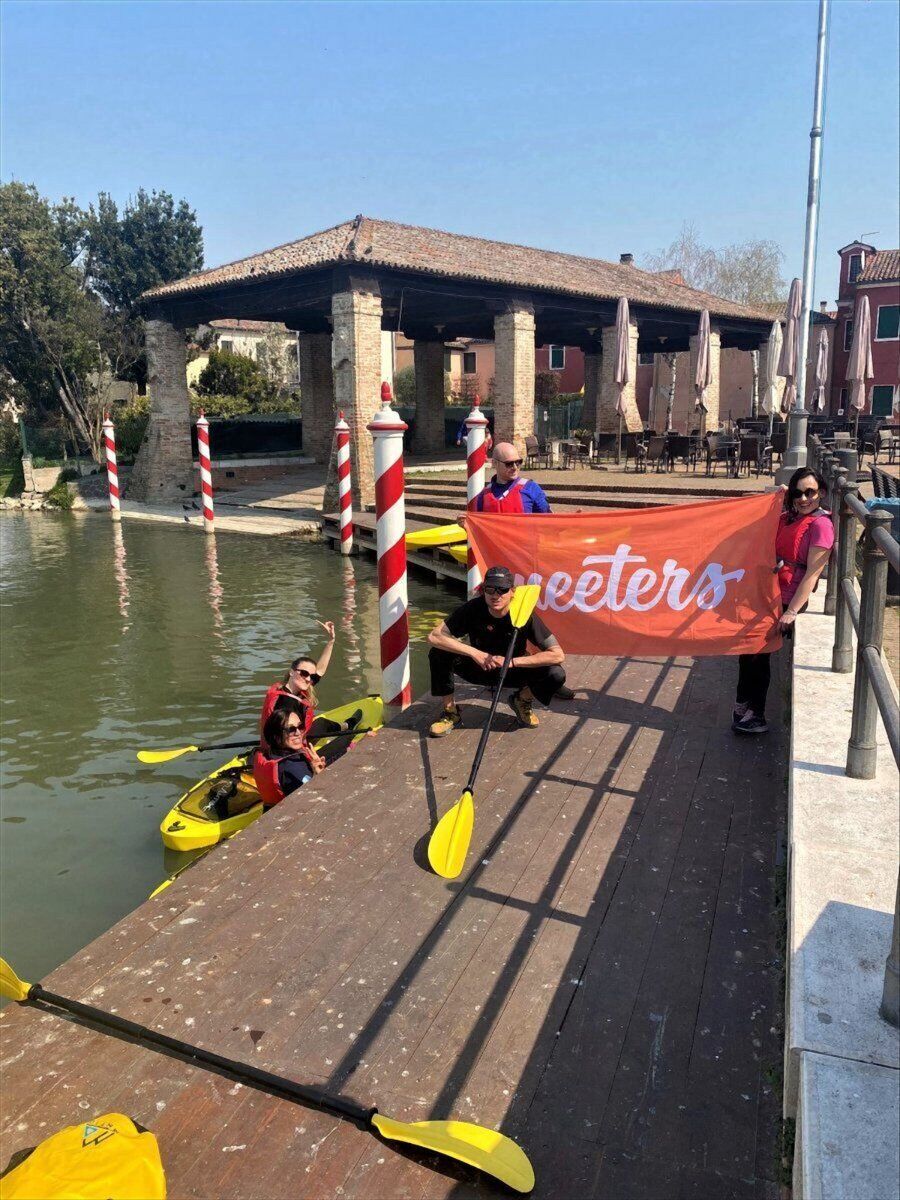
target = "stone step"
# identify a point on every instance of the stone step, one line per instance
(560, 502)
(654, 484)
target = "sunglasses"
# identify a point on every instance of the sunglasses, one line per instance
(807, 494)
(495, 591)
(304, 674)
(290, 730)
(510, 462)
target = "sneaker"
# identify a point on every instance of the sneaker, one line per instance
(564, 693)
(524, 711)
(752, 723)
(448, 720)
(739, 712)
(351, 723)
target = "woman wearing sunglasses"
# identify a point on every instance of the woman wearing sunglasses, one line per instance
(284, 760)
(296, 692)
(802, 548)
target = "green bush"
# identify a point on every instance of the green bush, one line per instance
(59, 496)
(131, 425)
(68, 475)
(233, 377)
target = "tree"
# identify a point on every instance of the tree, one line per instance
(277, 358)
(235, 378)
(746, 272)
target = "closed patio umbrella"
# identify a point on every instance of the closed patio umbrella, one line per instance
(771, 360)
(622, 374)
(790, 347)
(818, 396)
(859, 366)
(702, 370)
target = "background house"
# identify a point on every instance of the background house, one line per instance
(241, 337)
(875, 273)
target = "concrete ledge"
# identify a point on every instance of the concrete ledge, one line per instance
(846, 1145)
(236, 521)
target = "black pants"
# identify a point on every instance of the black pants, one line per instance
(543, 681)
(335, 746)
(754, 674)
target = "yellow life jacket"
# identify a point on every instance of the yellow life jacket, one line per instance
(103, 1159)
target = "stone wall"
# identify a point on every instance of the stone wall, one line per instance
(514, 375)
(316, 394)
(428, 434)
(607, 405)
(163, 471)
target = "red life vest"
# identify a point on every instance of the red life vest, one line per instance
(509, 502)
(265, 774)
(273, 695)
(787, 546)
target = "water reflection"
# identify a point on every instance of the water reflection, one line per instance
(120, 567)
(348, 614)
(215, 587)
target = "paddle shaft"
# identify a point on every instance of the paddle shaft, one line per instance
(485, 733)
(340, 1106)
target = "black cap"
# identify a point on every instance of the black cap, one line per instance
(500, 577)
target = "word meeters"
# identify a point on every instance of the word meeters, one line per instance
(626, 583)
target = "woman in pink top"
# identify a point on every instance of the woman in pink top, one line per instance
(802, 547)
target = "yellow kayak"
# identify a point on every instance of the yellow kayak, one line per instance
(197, 821)
(460, 552)
(436, 535)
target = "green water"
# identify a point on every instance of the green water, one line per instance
(116, 638)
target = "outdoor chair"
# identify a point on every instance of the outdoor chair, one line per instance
(720, 450)
(633, 446)
(604, 448)
(650, 452)
(683, 448)
(535, 454)
(778, 445)
(576, 452)
(750, 453)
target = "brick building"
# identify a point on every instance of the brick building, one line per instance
(875, 273)
(343, 289)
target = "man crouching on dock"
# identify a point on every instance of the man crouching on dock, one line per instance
(485, 621)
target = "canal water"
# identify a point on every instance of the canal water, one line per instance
(117, 638)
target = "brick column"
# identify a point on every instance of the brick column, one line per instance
(712, 392)
(591, 389)
(428, 435)
(356, 365)
(163, 471)
(514, 375)
(316, 394)
(607, 413)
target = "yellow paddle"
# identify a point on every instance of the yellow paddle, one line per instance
(482, 1148)
(449, 844)
(161, 756)
(436, 535)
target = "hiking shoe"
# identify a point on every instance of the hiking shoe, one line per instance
(351, 723)
(752, 723)
(524, 711)
(738, 713)
(564, 693)
(448, 720)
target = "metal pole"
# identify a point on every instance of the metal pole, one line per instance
(837, 480)
(861, 750)
(795, 455)
(890, 996)
(845, 568)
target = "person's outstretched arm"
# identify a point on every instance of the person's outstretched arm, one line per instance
(325, 657)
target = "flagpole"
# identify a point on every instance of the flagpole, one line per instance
(795, 455)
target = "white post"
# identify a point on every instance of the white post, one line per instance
(476, 461)
(112, 468)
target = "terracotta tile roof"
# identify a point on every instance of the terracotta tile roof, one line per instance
(451, 255)
(244, 325)
(777, 311)
(881, 267)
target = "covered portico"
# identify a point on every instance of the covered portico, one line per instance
(341, 288)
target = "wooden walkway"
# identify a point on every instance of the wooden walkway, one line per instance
(602, 983)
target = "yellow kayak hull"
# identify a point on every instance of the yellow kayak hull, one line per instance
(436, 535)
(192, 823)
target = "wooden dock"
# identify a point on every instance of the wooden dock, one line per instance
(602, 983)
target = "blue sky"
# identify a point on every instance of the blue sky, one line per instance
(587, 127)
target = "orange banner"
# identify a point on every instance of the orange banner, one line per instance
(686, 579)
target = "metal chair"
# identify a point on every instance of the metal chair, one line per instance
(750, 453)
(535, 454)
(652, 451)
(720, 450)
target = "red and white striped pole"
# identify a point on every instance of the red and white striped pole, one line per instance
(345, 497)
(387, 430)
(209, 520)
(476, 460)
(112, 468)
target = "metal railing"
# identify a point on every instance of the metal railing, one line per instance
(864, 616)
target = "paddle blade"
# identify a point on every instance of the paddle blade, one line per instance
(524, 601)
(437, 535)
(11, 986)
(449, 844)
(160, 756)
(482, 1148)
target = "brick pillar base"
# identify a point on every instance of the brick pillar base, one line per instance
(356, 365)
(607, 413)
(514, 376)
(712, 392)
(591, 390)
(163, 471)
(316, 394)
(428, 434)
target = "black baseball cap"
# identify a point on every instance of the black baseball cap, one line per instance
(499, 577)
